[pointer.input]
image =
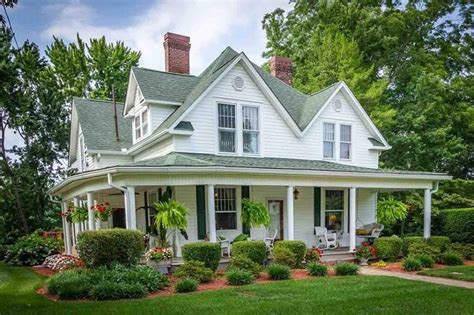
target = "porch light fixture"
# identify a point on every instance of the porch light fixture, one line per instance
(296, 193)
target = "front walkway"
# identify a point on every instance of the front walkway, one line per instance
(409, 276)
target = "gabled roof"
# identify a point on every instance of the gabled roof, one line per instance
(96, 118)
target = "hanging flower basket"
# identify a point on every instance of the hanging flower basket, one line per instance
(103, 211)
(79, 214)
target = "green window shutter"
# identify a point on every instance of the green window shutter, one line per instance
(348, 192)
(317, 207)
(245, 194)
(201, 211)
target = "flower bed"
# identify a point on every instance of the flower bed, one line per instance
(62, 262)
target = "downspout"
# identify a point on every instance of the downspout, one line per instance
(435, 190)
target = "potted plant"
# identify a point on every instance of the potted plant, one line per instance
(78, 214)
(364, 252)
(103, 211)
(254, 213)
(159, 259)
(170, 219)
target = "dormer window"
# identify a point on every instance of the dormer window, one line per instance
(141, 124)
(329, 140)
(226, 117)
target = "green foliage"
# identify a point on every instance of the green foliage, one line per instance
(254, 213)
(244, 263)
(106, 283)
(255, 250)
(390, 210)
(408, 240)
(298, 248)
(31, 250)
(239, 277)
(346, 269)
(411, 263)
(388, 248)
(452, 258)
(110, 246)
(208, 253)
(170, 214)
(417, 249)
(79, 214)
(284, 256)
(3, 251)
(241, 238)
(278, 272)
(467, 250)
(425, 260)
(458, 225)
(194, 270)
(186, 285)
(440, 242)
(312, 255)
(317, 270)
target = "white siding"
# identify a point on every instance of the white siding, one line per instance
(157, 149)
(159, 113)
(111, 160)
(187, 196)
(277, 138)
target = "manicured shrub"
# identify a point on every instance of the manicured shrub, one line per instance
(194, 270)
(186, 285)
(458, 225)
(244, 263)
(312, 255)
(411, 263)
(452, 258)
(467, 250)
(426, 260)
(388, 248)
(239, 277)
(208, 253)
(278, 272)
(416, 249)
(255, 250)
(240, 238)
(317, 270)
(440, 242)
(346, 269)
(147, 276)
(108, 290)
(298, 248)
(408, 240)
(31, 250)
(284, 256)
(71, 284)
(110, 246)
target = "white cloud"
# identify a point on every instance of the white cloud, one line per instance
(212, 25)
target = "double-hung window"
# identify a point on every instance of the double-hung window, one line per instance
(141, 124)
(334, 209)
(226, 117)
(328, 140)
(250, 129)
(226, 208)
(345, 142)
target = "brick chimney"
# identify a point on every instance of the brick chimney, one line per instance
(176, 53)
(280, 67)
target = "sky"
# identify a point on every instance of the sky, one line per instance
(141, 24)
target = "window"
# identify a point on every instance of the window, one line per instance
(226, 208)
(226, 115)
(250, 129)
(345, 142)
(334, 209)
(329, 139)
(141, 124)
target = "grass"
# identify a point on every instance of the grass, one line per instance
(465, 273)
(333, 295)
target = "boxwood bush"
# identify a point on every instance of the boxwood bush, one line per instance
(31, 250)
(186, 285)
(110, 246)
(239, 277)
(408, 240)
(440, 242)
(411, 263)
(194, 270)
(298, 248)
(388, 248)
(416, 249)
(467, 250)
(458, 225)
(208, 253)
(255, 250)
(346, 269)
(284, 256)
(278, 272)
(244, 263)
(317, 270)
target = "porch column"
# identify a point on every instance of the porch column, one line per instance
(91, 211)
(67, 232)
(352, 220)
(427, 214)
(130, 213)
(290, 213)
(211, 213)
(77, 226)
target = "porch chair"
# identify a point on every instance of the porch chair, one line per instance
(270, 239)
(325, 240)
(370, 231)
(225, 245)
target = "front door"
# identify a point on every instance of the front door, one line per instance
(118, 218)
(275, 208)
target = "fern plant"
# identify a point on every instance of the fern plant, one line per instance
(254, 213)
(391, 210)
(170, 215)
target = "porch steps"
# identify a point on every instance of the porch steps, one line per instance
(334, 257)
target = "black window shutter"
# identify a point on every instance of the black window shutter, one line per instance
(245, 194)
(201, 211)
(317, 207)
(348, 209)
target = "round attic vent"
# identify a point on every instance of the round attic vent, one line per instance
(238, 83)
(337, 105)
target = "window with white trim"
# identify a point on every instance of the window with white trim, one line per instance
(345, 142)
(141, 124)
(250, 129)
(328, 140)
(334, 209)
(226, 208)
(226, 117)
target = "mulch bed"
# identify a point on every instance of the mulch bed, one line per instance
(44, 271)
(397, 266)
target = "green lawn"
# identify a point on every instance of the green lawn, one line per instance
(465, 273)
(341, 295)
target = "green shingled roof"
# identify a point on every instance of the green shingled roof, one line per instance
(209, 160)
(97, 122)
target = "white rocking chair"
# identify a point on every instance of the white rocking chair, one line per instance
(225, 245)
(270, 239)
(325, 240)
